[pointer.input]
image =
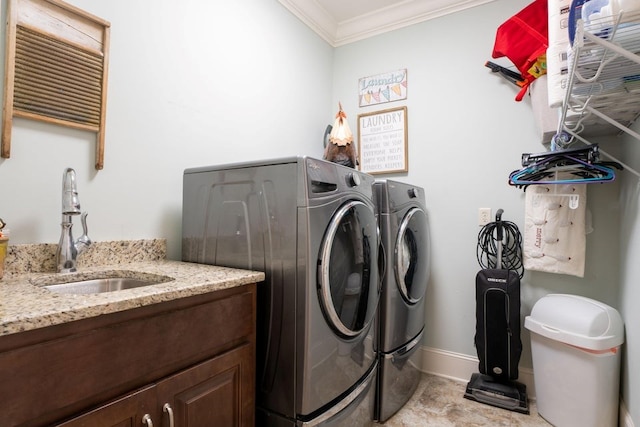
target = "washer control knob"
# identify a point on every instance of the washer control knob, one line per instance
(413, 193)
(353, 179)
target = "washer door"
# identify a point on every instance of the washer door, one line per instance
(348, 284)
(412, 255)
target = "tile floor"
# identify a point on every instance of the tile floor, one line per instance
(440, 402)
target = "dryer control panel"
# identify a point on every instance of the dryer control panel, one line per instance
(326, 177)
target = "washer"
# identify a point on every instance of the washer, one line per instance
(311, 226)
(404, 231)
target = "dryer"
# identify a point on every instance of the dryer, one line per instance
(404, 231)
(310, 225)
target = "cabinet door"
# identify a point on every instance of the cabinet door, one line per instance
(128, 411)
(218, 392)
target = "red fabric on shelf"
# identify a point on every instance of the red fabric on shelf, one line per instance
(523, 38)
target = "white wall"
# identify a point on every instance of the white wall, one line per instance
(190, 84)
(630, 272)
(198, 82)
(466, 134)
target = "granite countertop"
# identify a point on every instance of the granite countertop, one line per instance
(25, 304)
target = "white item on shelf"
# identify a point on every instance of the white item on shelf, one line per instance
(558, 11)
(628, 7)
(546, 118)
(558, 74)
(592, 7)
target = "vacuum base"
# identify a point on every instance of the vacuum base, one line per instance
(510, 395)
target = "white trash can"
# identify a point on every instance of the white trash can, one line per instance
(575, 348)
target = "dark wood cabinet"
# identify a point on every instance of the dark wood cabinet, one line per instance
(192, 359)
(210, 394)
(125, 412)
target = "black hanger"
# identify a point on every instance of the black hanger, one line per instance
(578, 166)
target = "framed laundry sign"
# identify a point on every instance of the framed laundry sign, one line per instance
(382, 88)
(382, 141)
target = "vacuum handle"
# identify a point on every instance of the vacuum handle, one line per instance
(499, 224)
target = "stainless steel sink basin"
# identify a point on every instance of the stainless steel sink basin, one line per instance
(104, 282)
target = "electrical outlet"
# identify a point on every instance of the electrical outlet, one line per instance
(484, 216)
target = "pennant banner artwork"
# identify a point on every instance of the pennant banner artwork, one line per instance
(382, 88)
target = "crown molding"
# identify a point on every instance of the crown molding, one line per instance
(314, 16)
(376, 22)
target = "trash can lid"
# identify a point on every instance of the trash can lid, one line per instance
(576, 320)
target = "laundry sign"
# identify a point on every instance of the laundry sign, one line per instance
(382, 141)
(383, 88)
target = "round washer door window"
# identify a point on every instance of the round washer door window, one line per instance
(412, 255)
(347, 269)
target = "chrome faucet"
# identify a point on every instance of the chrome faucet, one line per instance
(68, 250)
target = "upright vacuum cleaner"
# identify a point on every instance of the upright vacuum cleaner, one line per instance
(497, 337)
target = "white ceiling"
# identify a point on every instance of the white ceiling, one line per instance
(344, 21)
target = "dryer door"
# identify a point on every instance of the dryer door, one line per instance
(348, 277)
(412, 256)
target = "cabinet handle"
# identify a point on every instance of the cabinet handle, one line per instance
(146, 420)
(167, 408)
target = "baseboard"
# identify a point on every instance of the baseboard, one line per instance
(460, 367)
